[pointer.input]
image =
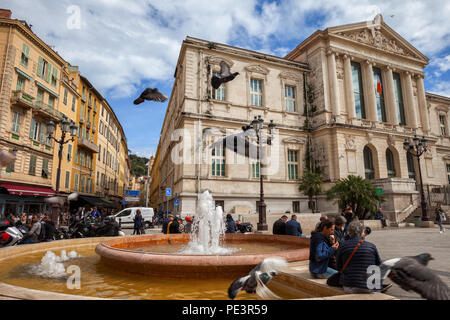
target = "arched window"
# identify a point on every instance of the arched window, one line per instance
(411, 168)
(368, 163)
(390, 163)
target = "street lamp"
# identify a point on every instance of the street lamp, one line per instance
(417, 148)
(66, 127)
(257, 125)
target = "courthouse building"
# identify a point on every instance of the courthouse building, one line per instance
(346, 97)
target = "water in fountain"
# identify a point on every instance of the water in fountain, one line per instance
(52, 266)
(208, 229)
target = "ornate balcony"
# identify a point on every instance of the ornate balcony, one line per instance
(22, 99)
(83, 98)
(47, 111)
(83, 142)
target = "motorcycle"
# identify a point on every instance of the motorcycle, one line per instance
(244, 227)
(9, 234)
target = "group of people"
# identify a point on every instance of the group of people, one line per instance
(290, 228)
(174, 224)
(39, 227)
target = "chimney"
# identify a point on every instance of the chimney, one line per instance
(5, 13)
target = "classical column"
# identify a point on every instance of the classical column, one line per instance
(422, 104)
(389, 97)
(411, 110)
(369, 93)
(334, 89)
(348, 83)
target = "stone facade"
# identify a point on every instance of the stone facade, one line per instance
(357, 126)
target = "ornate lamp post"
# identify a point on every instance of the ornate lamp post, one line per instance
(66, 127)
(257, 125)
(417, 148)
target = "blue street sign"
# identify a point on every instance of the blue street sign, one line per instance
(168, 192)
(132, 193)
(176, 203)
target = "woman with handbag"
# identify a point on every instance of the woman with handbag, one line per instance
(440, 216)
(320, 250)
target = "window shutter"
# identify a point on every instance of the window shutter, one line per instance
(41, 135)
(32, 128)
(49, 71)
(39, 70)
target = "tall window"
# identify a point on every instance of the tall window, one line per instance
(25, 55)
(44, 168)
(20, 84)
(16, 122)
(10, 166)
(51, 101)
(218, 161)
(411, 169)
(99, 151)
(83, 183)
(379, 95)
(67, 182)
(73, 102)
(75, 184)
(399, 99)
(368, 163)
(35, 130)
(390, 163)
(442, 121)
(32, 168)
(448, 173)
(82, 110)
(255, 92)
(289, 98)
(219, 93)
(255, 169)
(293, 164)
(65, 96)
(39, 97)
(54, 76)
(43, 70)
(69, 152)
(358, 92)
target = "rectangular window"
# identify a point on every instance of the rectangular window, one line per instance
(379, 94)
(442, 121)
(255, 169)
(75, 184)
(73, 103)
(448, 173)
(289, 98)
(16, 122)
(51, 101)
(296, 206)
(99, 152)
(76, 156)
(82, 184)
(399, 99)
(34, 130)
(43, 70)
(255, 92)
(219, 93)
(65, 96)
(69, 152)
(25, 55)
(44, 173)
(10, 167)
(98, 174)
(82, 110)
(218, 162)
(32, 168)
(39, 97)
(358, 92)
(293, 164)
(67, 182)
(54, 76)
(20, 84)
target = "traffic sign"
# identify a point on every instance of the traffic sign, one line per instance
(379, 191)
(168, 192)
(176, 203)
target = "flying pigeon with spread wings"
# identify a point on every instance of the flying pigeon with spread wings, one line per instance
(6, 158)
(411, 273)
(256, 280)
(151, 94)
(225, 75)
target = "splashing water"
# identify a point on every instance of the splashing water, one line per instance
(208, 229)
(52, 266)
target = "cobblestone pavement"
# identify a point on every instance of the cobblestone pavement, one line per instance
(400, 242)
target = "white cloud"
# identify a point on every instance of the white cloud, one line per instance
(441, 88)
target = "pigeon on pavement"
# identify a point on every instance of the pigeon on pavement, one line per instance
(151, 94)
(411, 273)
(256, 280)
(225, 75)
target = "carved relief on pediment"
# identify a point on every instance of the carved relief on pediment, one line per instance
(257, 68)
(377, 39)
(290, 76)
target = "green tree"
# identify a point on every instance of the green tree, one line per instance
(356, 192)
(311, 185)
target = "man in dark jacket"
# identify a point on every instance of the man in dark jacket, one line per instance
(293, 227)
(166, 224)
(137, 222)
(354, 277)
(50, 229)
(348, 215)
(174, 226)
(230, 224)
(279, 227)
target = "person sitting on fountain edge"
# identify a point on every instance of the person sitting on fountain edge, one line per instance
(279, 226)
(231, 224)
(293, 227)
(320, 252)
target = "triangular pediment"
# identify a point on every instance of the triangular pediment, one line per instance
(378, 34)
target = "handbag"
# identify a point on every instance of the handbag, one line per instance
(335, 279)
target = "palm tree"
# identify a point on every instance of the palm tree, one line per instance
(356, 192)
(311, 184)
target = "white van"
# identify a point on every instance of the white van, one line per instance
(127, 216)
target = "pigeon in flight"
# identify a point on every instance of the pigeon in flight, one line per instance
(255, 281)
(6, 158)
(55, 200)
(239, 144)
(411, 273)
(151, 94)
(73, 196)
(225, 75)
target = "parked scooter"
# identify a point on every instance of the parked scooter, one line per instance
(9, 234)
(244, 227)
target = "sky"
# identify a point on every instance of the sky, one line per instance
(125, 46)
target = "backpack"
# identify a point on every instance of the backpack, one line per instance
(41, 236)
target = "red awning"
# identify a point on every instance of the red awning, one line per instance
(29, 191)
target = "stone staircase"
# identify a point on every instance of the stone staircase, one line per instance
(418, 212)
(407, 213)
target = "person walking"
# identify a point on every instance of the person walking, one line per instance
(322, 248)
(440, 216)
(279, 226)
(380, 216)
(230, 224)
(137, 222)
(293, 227)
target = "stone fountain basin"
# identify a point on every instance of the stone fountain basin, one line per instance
(122, 253)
